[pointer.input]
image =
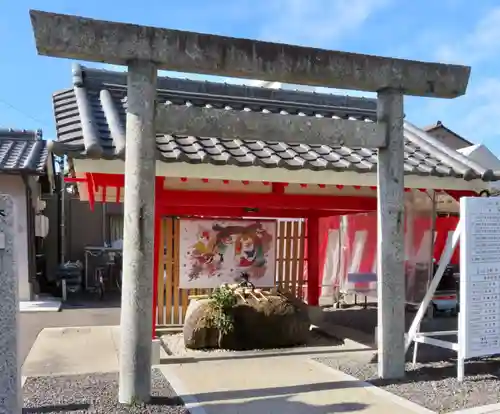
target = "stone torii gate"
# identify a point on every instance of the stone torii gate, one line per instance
(145, 50)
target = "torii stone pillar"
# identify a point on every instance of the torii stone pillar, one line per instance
(120, 44)
(10, 371)
(390, 233)
(138, 234)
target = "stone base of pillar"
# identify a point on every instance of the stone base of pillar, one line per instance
(155, 351)
(316, 315)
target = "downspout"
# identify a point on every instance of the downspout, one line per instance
(105, 231)
(62, 219)
(30, 235)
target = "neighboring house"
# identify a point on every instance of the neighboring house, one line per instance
(26, 171)
(482, 155)
(478, 153)
(447, 136)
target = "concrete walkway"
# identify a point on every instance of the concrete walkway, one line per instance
(75, 313)
(73, 351)
(485, 409)
(284, 384)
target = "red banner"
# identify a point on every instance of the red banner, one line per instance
(358, 243)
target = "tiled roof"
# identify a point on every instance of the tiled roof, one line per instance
(90, 120)
(22, 152)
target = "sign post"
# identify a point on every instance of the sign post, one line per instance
(478, 333)
(479, 319)
(10, 380)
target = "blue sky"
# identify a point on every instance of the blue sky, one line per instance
(454, 31)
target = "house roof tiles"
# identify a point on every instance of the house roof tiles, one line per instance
(22, 152)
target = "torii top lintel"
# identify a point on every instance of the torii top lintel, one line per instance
(75, 37)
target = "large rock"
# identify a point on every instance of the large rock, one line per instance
(197, 331)
(280, 321)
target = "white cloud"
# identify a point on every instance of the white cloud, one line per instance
(480, 108)
(473, 115)
(105, 66)
(318, 23)
(479, 45)
(315, 23)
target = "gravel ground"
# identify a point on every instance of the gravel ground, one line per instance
(94, 393)
(175, 344)
(365, 320)
(433, 384)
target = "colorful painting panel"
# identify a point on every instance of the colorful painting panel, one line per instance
(213, 252)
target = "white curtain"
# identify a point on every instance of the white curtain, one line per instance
(115, 226)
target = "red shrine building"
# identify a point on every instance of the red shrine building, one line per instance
(212, 177)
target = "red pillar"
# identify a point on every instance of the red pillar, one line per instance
(313, 259)
(155, 270)
(157, 241)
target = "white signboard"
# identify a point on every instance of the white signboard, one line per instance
(213, 252)
(479, 323)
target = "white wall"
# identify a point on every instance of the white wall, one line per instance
(14, 185)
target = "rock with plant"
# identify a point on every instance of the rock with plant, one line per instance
(241, 317)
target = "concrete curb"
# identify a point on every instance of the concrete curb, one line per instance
(402, 402)
(484, 409)
(262, 352)
(49, 305)
(298, 351)
(155, 351)
(190, 402)
(354, 341)
(355, 336)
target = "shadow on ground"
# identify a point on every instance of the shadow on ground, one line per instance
(283, 398)
(286, 405)
(365, 321)
(90, 300)
(66, 408)
(275, 392)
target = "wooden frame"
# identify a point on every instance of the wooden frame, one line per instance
(207, 218)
